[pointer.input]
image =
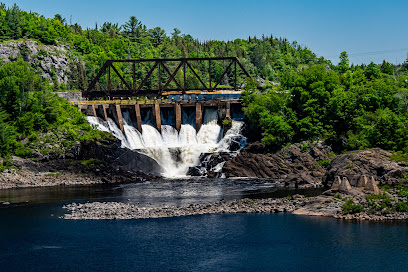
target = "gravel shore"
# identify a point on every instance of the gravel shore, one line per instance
(311, 206)
(117, 210)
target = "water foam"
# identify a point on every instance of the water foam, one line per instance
(174, 151)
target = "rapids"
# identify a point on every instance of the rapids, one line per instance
(175, 152)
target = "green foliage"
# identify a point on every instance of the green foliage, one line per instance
(401, 206)
(379, 202)
(227, 122)
(402, 190)
(338, 196)
(344, 64)
(28, 108)
(324, 163)
(91, 162)
(354, 110)
(399, 156)
(350, 207)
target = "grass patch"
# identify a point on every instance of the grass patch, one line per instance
(399, 156)
(324, 163)
(91, 162)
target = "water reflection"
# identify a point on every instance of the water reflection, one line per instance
(157, 192)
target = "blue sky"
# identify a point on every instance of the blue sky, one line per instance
(367, 30)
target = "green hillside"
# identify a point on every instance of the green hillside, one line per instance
(351, 107)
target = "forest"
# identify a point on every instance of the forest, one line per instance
(305, 97)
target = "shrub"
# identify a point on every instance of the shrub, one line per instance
(324, 163)
(227, 122)
(379, 202)
(350, 207)
(401, 206)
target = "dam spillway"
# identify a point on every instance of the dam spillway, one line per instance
(157, 113)
(175, 134)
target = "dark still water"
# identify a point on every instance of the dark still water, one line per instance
(33, 238)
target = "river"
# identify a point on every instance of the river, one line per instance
(34, 238)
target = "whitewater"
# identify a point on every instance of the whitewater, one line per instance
(174, 151)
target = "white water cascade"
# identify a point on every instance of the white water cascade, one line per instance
(174, 152)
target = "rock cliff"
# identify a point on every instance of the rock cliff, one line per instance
(296, 166)
(52, 62)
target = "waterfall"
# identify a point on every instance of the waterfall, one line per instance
(175, 151)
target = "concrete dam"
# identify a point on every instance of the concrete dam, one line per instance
(177, 134)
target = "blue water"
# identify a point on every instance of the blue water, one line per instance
(34, 238)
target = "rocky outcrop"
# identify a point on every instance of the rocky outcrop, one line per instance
(371, 163)
(87, 163)
(109, 153)
(52, 61)
(296, 166)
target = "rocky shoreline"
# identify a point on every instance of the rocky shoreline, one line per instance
(299, 205)
(86, 163)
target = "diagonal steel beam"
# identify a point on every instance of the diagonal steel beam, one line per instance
(146, 78)
(197, 76)
(121, 78)
(96, 79)
(223, 74)
(172, 76)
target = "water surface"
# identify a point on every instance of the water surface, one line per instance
(34, 238)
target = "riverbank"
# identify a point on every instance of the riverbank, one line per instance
(87, 163)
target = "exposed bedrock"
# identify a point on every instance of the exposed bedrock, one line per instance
(117, 159)
(372, 162)
(307, 165)
(296, 166)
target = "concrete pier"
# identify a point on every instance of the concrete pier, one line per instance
(199, 116)
(105, 114)
(156, 116)
(120, 119)
(138, 118)
(228, 110)
(177, 111)
(136, 111)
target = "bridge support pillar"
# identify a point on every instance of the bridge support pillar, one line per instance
(199, 116)
(105, 114)
(138, 118)
(120, 119)
(228, 111)
(94, 111)
(177, 110)
(156, 116)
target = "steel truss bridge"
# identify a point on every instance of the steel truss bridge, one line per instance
(161, 68)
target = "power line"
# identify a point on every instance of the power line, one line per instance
(376, 52)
